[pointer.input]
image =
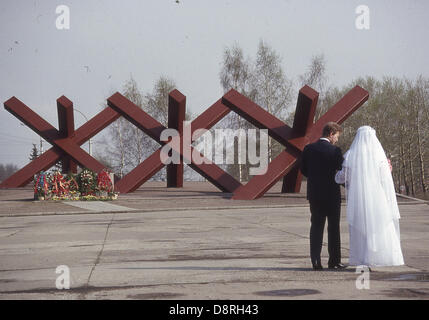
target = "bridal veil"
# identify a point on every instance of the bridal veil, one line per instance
(372, 209)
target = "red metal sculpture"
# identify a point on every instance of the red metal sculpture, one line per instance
(66, 142)
(295, 139)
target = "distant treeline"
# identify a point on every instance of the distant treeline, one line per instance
(7, 170)
(398, 109)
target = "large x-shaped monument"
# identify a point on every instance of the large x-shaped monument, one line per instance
(66, 141)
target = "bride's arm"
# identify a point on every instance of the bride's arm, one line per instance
(340, 177)
(384, 172)
(388, 187)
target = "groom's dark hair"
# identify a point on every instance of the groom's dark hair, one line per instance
(331, 127)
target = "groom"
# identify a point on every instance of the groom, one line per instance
(319, 163)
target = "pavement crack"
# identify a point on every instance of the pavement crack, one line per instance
(12, 234)
(97, 260)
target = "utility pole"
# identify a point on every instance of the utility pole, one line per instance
(41, 146)
(89, 140)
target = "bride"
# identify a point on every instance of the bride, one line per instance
(372, 210)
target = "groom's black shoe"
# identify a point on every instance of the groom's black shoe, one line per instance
(317, 267)
(337, 266)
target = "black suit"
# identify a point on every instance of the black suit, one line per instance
(319, 163)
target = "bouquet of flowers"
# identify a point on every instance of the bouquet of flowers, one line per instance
(41, 186)
(73, 187)
(87, 182)
(104, 183)
(59, 186)
(105, 186)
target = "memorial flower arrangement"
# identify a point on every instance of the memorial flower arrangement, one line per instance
(87, 185)
(105, 185)
(74, 193)
(59, 187)
(87, 182)
(41, 186)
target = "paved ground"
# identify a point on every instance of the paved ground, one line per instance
(194, 243)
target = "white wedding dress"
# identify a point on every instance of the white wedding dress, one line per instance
(372, 210)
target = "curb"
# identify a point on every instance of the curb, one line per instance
(411, 198)
(145, 210)
(417, 201)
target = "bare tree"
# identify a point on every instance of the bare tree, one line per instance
(273, 90)
(422, 127)
(236, 71)
(157, 107)
(262, 81)
(7, 170)
(316, 78)
(236, 74)
(157, 100)
(126, 147)
(397, 110)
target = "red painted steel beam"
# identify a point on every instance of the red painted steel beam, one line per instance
(140, 174)
(96, 124)
(302, 123)
(262, 119)
(153, 128)
(176, 117)
(209, 118)
(305, 110)
(66, 130)
(26, 174)
(258, 185)
(136, 116)
(339, 112)
(256, 115)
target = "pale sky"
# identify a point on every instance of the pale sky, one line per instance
(110, 40)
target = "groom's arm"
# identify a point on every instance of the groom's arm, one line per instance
(339, 159)
(304, 159)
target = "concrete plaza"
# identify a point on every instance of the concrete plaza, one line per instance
(190, 243)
